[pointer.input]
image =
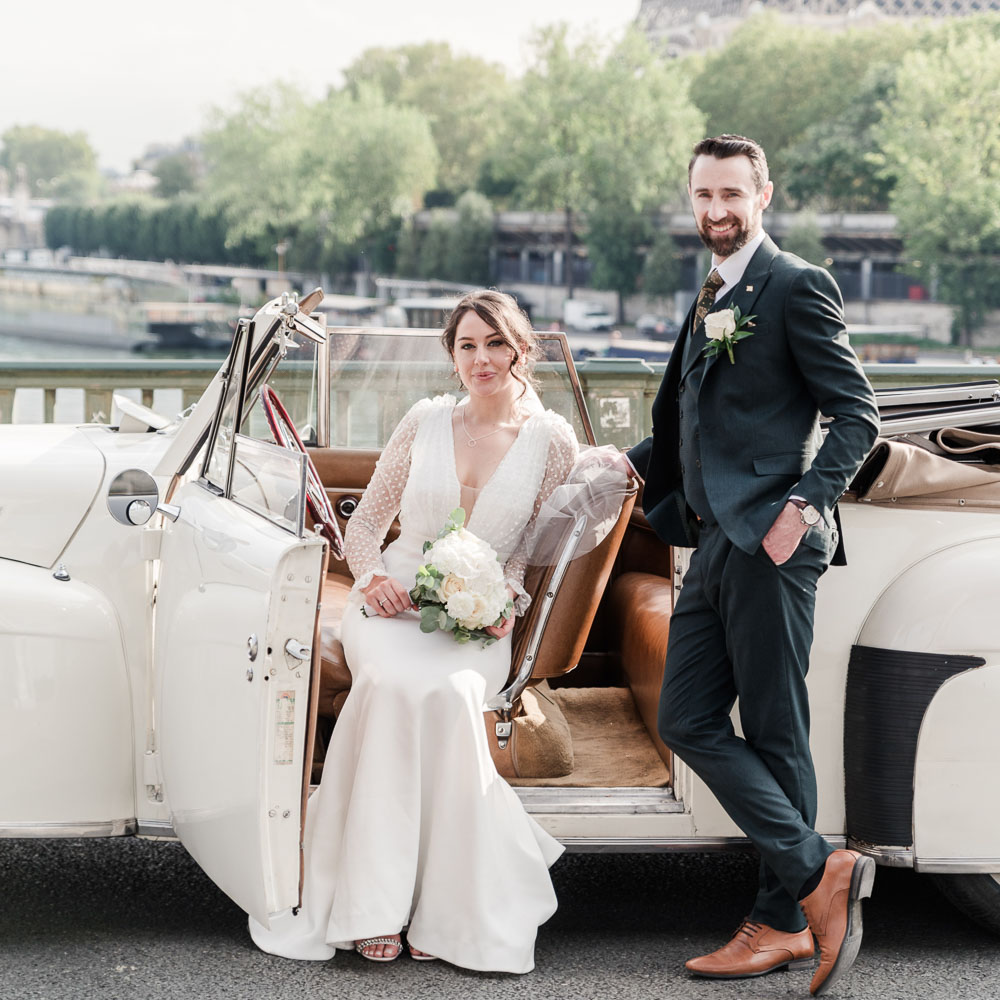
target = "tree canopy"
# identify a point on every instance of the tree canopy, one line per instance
(942, 145)
(56, 164)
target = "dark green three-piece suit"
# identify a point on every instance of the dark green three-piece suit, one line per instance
(730, 444)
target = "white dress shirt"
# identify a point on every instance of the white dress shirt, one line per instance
(731, 268)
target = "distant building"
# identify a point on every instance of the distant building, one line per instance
(676, 27)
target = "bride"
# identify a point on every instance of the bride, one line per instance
(412, 828)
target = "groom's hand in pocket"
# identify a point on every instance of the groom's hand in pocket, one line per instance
(784, 536)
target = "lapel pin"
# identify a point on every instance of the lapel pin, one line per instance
(749, 288)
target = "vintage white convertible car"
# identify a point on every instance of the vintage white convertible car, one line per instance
(170, 595)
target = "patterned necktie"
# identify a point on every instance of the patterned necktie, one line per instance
(706, 297)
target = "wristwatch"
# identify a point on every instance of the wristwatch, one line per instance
(807, 512)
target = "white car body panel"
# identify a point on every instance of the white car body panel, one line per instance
(231, 730)
(956, 793)
(50, 478)
(65, 704)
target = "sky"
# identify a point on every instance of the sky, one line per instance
(129, 73)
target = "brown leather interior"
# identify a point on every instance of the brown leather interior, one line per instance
(335, 677)
(641, 604)
(574, 607)
(627, 576)
(345, 474)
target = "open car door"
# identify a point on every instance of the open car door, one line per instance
(236, 614)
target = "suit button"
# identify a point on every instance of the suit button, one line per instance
(681, 389)
(697, 462)
(680, 442)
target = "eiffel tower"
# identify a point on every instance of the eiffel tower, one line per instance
(676, 26)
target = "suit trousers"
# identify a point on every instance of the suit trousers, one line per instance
(742, 628)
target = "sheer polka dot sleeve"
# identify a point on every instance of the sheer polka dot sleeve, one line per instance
(371, 520)
(562, 454)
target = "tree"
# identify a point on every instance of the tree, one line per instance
(460, 96)
(661, 271)
(56, 163)
(176, 174)
(615, 233)
(434, 247)
(322, 174)
(468, 256)
(825, 84)
(941, 138)
(589, 128)
(805, 239)
(836, 164)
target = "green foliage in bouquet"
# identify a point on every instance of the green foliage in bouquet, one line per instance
(428, 597)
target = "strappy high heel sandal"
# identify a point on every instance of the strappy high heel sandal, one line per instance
(396, 942)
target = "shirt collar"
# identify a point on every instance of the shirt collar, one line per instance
(732, 268)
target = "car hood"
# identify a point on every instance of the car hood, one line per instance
(49, 477)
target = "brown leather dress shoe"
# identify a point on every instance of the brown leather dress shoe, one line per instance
(833, 910)
(754, 950)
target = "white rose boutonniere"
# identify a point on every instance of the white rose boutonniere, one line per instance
(724, 328)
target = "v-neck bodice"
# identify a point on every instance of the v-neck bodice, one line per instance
(479, 490)
(505, 502)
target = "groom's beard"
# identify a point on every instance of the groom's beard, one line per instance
(726, 246)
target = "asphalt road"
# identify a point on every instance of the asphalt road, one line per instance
(136, 919)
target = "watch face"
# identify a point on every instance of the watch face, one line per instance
(810, 515)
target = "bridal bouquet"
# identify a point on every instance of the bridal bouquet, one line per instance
(460, 587)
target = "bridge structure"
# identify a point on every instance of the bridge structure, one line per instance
(676, 28)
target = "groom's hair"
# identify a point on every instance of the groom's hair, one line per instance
(726, 145)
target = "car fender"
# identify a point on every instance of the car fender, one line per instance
(921, 739)
(65, 708)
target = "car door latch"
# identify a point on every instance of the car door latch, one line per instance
(298, 651)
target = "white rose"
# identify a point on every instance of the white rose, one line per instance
(450, 586)
(719, 325)
(461, 605)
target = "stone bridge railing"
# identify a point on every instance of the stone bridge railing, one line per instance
(619, 392)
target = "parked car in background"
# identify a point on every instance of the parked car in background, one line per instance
(170, 662)
(656, 327)
(581, 315)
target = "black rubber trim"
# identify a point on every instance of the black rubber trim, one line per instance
(888, 691)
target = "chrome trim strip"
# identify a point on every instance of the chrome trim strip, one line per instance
(598, 801)
(108, 828)
(931, 421)
(652, 845)
(156, 828)
(889, 857)
(958, 866)
(323, 389)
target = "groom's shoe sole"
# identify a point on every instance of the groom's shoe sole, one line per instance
(833, 910)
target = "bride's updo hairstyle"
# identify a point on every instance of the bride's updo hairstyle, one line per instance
(500, 312)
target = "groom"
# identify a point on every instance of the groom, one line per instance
(737, 467)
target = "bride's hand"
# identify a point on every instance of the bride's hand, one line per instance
(499, 631)
(387, 596)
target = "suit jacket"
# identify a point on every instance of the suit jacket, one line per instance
(758, 419)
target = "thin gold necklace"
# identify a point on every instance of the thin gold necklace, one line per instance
(471, 441)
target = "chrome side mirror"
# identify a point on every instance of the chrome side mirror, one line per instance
(133, 497)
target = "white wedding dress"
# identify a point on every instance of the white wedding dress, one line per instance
(412, 825)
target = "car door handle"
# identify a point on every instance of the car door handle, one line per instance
(297, 650)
